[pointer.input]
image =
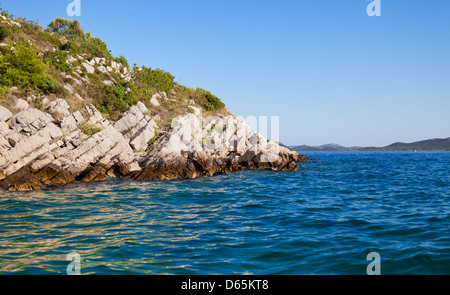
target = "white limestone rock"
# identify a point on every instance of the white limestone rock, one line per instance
(89, 68)
(196, 111)
(142, 138)
(29, 121)
(70, 59)
(154, 101)
(102, 69)
(21, 105)
(77, 96)
(4, 127)
(5, 114)
(130, 119)
(68, 88)
(59, 106)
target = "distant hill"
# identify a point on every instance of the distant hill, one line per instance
(436, 144)
(331, 147)
(322, 148)
(282, 144)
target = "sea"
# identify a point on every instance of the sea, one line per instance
(339, 214)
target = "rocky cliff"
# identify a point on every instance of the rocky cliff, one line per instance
(70, 111)
(37, 150)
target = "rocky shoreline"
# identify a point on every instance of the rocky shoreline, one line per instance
(55, 147)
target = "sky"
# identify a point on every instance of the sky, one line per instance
(330, 72)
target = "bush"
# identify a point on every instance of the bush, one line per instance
(4, 32)
(52, 39)
(3, 91)
(58, 60)
(23, 67)
(208, 100)
(90, 129)
(122, 60)
(116, 99)
(71, 46)
(158, 79)
(49, 85)
(96, 48)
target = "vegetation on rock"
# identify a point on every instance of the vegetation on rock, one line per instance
(63, 61)
(90, 129)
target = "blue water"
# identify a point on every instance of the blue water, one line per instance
(323, 219)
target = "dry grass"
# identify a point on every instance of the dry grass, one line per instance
(9, 101)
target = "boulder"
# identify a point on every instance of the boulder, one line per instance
(141, 139)
(21, 105)
(5, 114)
(102, 69)
(45, 101)
(68, 124)
(59, 107)
(99, 60)
(130, 119)
(71, 59)
(196, 111)
(29, 121)
(76, 81)
(31, 98)
(154, 101)
(68, 88)
(89, 68)
(77, 96)
(4, 127)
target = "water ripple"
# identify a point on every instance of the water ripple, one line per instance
(324, 219)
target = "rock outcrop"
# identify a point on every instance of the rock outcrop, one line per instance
(53, 148)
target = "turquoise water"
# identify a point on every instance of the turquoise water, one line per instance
(323, 219)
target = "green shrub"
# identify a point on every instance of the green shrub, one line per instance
(49, 85)
(122, 60)
(158, 79)
(52, 39)
(71, 46)
(4, 32)
(116, 99)
(3, 91)
(96, 48)
(90, 129)
(208, 100)
(58, 60)
(24, 68)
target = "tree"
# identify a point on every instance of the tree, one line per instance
(66, 27)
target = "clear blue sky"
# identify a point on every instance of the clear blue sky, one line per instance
(332, 73)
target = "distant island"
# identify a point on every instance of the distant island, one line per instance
(436, 144)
